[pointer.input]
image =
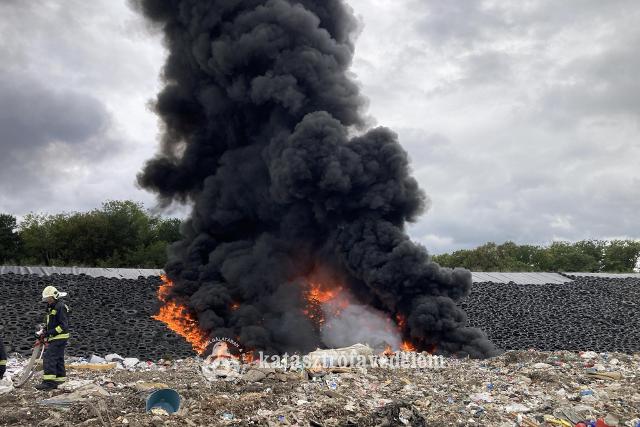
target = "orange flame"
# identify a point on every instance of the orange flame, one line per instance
(388, 351)
(248, 357)
(316, 293)
(401, 321)
(319, 297)
(407, 346)
(178, 318)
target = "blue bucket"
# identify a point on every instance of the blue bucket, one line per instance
(166, 398)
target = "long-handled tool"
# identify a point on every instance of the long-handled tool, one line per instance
(38, 350)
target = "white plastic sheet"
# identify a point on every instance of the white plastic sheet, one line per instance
(121, 273)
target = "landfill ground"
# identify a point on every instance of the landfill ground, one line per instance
(526, 388)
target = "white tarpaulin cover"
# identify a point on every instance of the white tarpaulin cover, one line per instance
(519, 278)
(133, 273)
(122, 273)
(608, 275)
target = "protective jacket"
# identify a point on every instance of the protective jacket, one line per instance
(3, 354)
(3, 359)
(57, 321)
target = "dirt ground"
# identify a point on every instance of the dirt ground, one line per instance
(518, 388)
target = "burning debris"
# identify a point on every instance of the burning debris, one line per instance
(179, 319)
(264, 134)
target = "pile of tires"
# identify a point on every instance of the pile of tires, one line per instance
(590, 313)
(107, 315)
(112, 315)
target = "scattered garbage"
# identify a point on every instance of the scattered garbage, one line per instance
(148, 386)
(6, 385)
(96, 359)
(518, 388)
(601, 375)
(113, 357)
(74, 384)
(79, 395)
(130, 362)
(340, 357)
(254, 375)
(517, 407)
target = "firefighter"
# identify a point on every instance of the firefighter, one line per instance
(56, 334)
(3, 359)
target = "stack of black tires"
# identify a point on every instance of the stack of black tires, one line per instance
(590, 313)
(108, 315)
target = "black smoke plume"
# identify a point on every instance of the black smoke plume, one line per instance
(259, 119)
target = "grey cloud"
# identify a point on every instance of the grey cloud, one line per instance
(604, 83)
(461, 22)
(531, 195)
(475, 24)
(44, 134)
(74, 78)
(33, 115)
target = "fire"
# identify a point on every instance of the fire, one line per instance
(321, 298)
(316, 293)
(407, 346)
(178, 318)
(248, 357)
(401, 321)
(330, 300)
(388, 351)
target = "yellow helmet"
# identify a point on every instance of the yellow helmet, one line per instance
(51, 291)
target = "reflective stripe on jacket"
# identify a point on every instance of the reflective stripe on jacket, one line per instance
(57, 321)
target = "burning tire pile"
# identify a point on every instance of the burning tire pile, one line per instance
(591, 313)
(107, 315)
(110, 315)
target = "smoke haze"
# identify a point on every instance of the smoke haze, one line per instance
(258, 114)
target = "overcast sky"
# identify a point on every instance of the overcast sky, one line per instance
(522, 118)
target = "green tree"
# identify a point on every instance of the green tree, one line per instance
(39, 236)
(584, 256)
(567, 257)
(10, 242)
(119, 234)
(621, 256)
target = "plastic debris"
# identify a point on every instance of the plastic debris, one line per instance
(517, 407)
(97, 359)
(113, 357)
(92, 366)
(130, 362)
(595, 373)
(6, 385)
(505, 391)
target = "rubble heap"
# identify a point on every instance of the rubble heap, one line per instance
(522, 388)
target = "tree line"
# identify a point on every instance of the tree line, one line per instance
(125, 234)
(119, 234)
(594, 256)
